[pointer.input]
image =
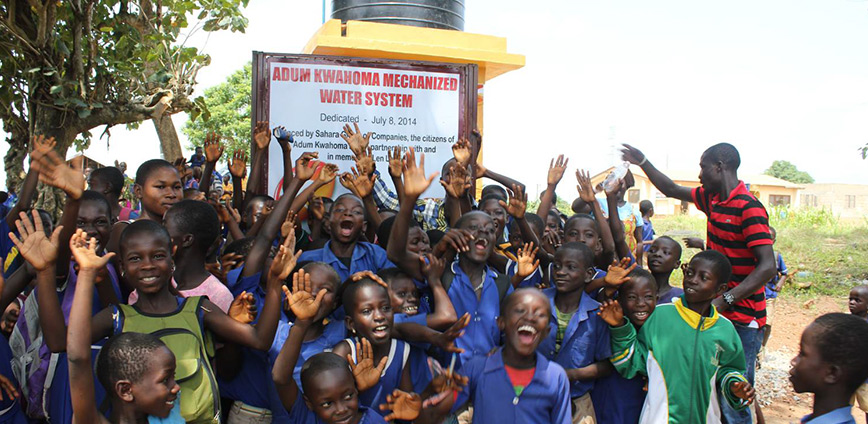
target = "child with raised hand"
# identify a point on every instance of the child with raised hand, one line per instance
(664, 256)
(683, 376)
(379, 362)
(557, 167)
(522, 267)
(8, 255)
(330, 393)
(577, 339)
(619, 400)
(137, 370)
(516, 383)
(831, 364)
(183, 322)
(320, 335)
(250, 387)
(345, 251)
(407, 303)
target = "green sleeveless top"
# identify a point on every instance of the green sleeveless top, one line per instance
(183, 333)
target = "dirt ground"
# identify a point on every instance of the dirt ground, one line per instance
(775, 393)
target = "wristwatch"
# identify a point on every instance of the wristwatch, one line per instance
(728, 298)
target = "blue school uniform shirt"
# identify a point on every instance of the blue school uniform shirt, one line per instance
(253, 383)
(533, 280)
(301, 414)
(782, 270)
(481, 334)
(401, 356)
(670, 295)
(647, 233)
(546, 399)
(586, 340)
(332, 334)
(366, 257)
(838, 416)
(618, 400)
(10, 408)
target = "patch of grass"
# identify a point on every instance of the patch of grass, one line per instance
(818, 248)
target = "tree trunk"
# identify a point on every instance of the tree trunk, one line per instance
(51, 122)
(170, 146)
(13, 162)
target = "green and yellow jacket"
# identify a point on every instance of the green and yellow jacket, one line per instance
(685, 356)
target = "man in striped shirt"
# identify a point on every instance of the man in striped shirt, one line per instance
(738, 227)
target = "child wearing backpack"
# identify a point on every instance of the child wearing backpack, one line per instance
(137, 369)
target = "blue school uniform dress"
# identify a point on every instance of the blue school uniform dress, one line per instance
(401, 356)
(366, 257)
(838, 416)
(301, 414)
(252, 385)
(332, 334)
(545, 400)
(586, 340)
(481, 334)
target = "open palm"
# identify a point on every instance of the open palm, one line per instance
(404, 406)
(33, 245)
(366, 374)
(84, 251)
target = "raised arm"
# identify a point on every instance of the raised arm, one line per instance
(270, 228)
(81, 384)
(262, 138)
(54, 172)
(213, 151)
(304, 307)
(557, 167)
(661, 181)
(327, 174)
(415, 183)
(285, 140)
(237, 168)
(586, 192)
(444, 312)
(41, 253)
(619, 235)
(261, 335)
(41, 147)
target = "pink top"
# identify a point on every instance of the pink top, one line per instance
(216, 292)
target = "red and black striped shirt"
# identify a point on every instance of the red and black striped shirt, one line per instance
(735, 225)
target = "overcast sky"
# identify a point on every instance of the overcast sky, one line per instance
(779, 79)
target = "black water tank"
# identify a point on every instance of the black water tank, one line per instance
(442, 14)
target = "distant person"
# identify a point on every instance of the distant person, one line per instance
(198, 159)
(646, 208)
(738, 227)
(773, 287)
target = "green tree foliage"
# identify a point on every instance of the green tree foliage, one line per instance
(787, 171)
(67, 67)
(228, 106)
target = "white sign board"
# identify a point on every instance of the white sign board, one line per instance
(401, 107)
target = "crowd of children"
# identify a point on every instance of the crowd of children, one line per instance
(212, 302)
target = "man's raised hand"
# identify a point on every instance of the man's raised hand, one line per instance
(212, 147)
(261, 135)
(632, 154)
